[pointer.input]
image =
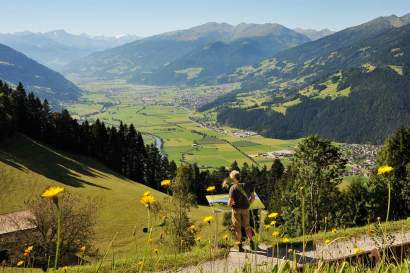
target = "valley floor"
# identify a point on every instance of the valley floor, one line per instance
(169, 114)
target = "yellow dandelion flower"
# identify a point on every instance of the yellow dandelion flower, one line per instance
(156, 251)
(208, 219)
(226, 237)
(384, 169)
(267, 226)
(82, 249)
(192, 228)
(275, 234)
(273, 223)
(273, 215)
(52, 192)
(147, 193)
(20, 263)
(166, 183)
(211, 189)
(334, 230)
(358, 250)
(147, 200)
(285, 240)
(327, 241)
(29, 249)
(198, 239)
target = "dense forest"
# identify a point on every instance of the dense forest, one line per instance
(378, 104)
(122, 149)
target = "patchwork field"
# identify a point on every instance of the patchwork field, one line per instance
(169, 114)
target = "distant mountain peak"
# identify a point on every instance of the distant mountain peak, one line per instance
(392, 20)
(57, 31)
(406, 18)
(314, 34)
(58, 47)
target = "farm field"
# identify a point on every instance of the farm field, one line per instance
(169, 114)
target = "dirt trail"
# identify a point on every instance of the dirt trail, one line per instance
(263, 258)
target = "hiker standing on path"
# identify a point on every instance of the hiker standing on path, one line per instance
(239, 200)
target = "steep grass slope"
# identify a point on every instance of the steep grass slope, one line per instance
(28, 167)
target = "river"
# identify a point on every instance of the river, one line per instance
(159, 143)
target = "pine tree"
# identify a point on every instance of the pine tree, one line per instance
(18, 102)
(234, 166)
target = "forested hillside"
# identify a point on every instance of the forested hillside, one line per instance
(123, 149)
(379, 103)
(44, 82)
(352, 86)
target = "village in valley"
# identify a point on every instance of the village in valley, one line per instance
(361, 158)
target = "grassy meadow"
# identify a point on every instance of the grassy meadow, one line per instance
(27, 168)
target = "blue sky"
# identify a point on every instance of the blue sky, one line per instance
(147, 17)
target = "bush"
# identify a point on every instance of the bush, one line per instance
(77, 218)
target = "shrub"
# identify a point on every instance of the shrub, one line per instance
(77, 218)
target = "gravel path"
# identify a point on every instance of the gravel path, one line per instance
(263, 258)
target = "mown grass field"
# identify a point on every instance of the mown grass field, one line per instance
(27, 168)
(158, 111)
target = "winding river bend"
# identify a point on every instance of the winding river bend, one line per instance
(159, 143)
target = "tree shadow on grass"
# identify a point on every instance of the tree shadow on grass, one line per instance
(23, 153)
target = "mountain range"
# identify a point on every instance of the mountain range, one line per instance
(188, 56)
(350, 86)
(57, 48)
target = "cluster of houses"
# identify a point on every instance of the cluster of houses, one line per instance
(243, 133)
(275, 154)
(194, 100)
(361, 158)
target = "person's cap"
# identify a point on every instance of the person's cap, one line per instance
(234, 174)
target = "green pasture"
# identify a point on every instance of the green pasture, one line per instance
(24, 177)
(157, 111)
